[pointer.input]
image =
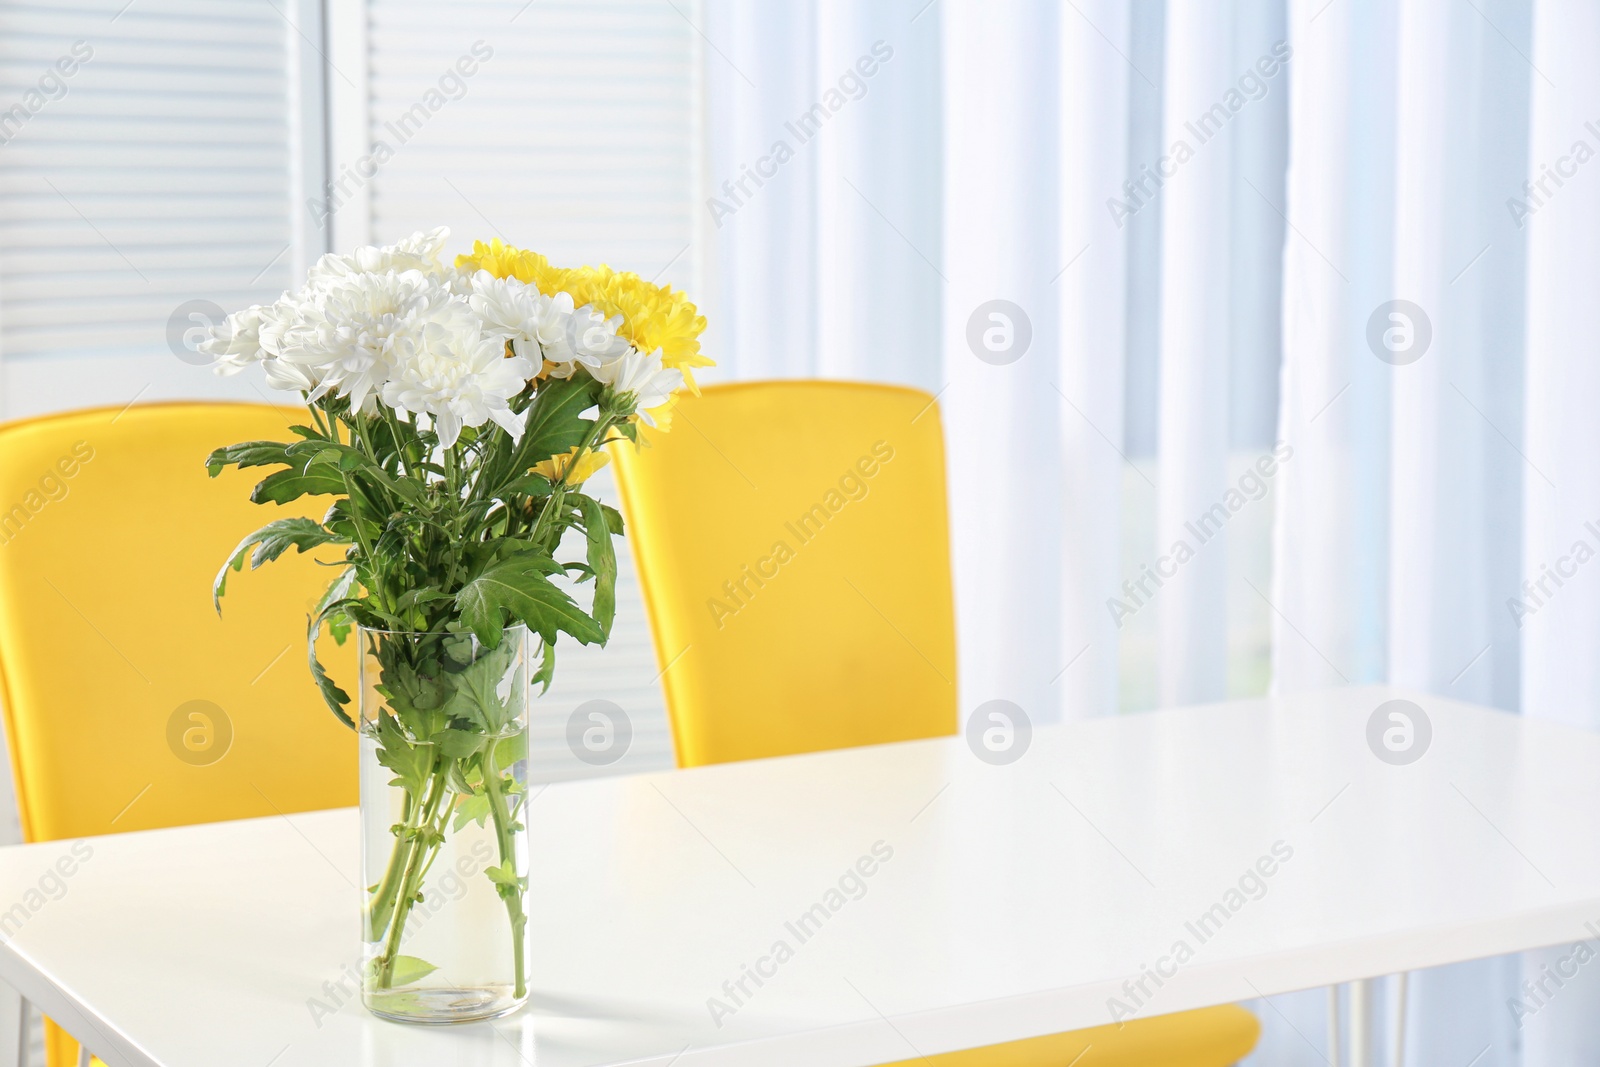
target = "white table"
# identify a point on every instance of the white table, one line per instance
(1017, 901)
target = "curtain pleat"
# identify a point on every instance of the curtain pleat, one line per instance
(1331, 535)
(879, 199)
(1329, 588)
(1397, 538)
(1001, 403)
(1196, 345)
(1558, 610)
(1457, 472)
(760, 77)
(1091, 288)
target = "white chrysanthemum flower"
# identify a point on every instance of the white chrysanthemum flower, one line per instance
(235, 343)
(420, 252)
(278, 321)
(515, 311)
(459, 282)
(554, 322)
(257, 335)
(643, 378)
(350, 330)
(287, 376)
(585, 336)
(546, 328)
(459, 376)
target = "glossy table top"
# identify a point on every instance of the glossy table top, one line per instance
(925, 900)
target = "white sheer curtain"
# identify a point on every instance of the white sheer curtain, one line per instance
(979, 165)
(1560, 671)
(968, 167)
(1196, 320)
(1003, 242)
(1224, 77)
(1428, 485)
(824, 245)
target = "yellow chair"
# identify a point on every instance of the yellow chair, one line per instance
(129, 704)
(792, 542)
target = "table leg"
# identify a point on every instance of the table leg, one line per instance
(13, 1028)
(1399, 1058)
(1361, 1023)
(1335, 1025)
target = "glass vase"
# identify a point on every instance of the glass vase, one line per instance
(444, 746)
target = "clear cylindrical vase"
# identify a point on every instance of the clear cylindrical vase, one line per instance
(444, 748)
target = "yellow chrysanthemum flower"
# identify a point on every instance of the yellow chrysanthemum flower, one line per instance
(554, 467)
(653, 316)
(507, 261)
(662, 416)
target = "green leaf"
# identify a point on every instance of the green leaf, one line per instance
(458, 744)
(337, 589)
(511, 750)
(547, 666)
(339, 626)
(504, 875)
(554, 426)
(272, 541)
(603, 561)
(613, 519)
(464, 777)
(334, 600)
(412, 764)
(299, 533)
(332, 695)
(404, 488)
(554, 422)
(518, 589)
(473, 808)
(458, 648)
(248, 454)
(327, 459)
(408, 609)
(305, 453)
(528, 485)
(416, 694)
(407, 969)
(284, 486)
(476, 698)
(337, 621)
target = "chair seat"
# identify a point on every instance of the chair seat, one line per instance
(1209, 1037)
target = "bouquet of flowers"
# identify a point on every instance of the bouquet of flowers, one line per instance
(454, 414)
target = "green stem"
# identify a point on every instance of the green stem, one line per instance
(316, 418)
(378, 911)
(402, 447)
(363, 441)
(552, 504)
(355, 516)
(422, 842)
(505, 837)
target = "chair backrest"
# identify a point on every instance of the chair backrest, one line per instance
(129, 703)
(792, 541)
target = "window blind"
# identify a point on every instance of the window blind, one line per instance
(148, 158)
(573, 133)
